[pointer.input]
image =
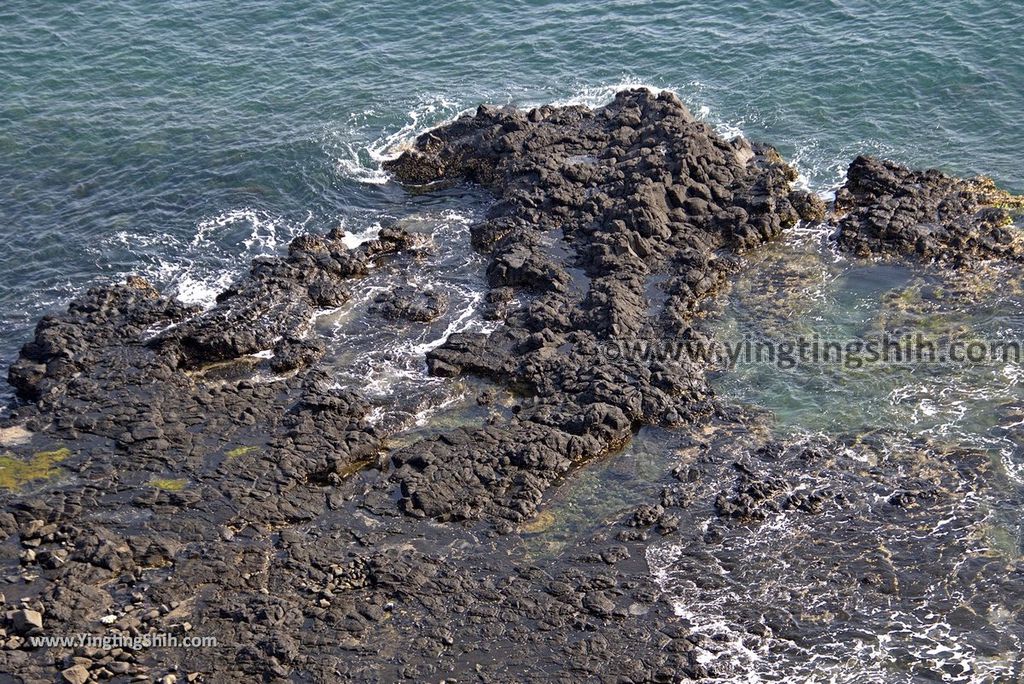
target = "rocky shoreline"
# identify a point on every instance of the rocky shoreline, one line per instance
(198, 472)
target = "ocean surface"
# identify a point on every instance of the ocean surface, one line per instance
(178, 140)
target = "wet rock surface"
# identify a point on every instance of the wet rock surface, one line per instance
(818, 538)
(199, 474)
(410, 303)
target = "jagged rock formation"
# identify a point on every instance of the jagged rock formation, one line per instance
(888, 209)
(610, 227)
(197, 472)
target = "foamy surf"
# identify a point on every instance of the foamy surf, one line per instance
(360, 147)
(881, 642)
(385, 359)
(353, 239)
(221, 250)
(595, 96)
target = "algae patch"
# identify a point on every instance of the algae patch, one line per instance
(238, 452)
(992, 195)
(353, 468)
(540, 523)
(168, 484)
(16, 472)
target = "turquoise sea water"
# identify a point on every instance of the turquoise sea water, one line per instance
(179, 139)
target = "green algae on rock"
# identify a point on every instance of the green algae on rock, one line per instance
(238, 452)
(16, 472)
(168, 484)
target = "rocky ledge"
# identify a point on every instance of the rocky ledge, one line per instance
(185, 471)
(886, 209)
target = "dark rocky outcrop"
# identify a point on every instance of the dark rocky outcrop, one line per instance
(887, 209)
(406, 302)
(593, 207)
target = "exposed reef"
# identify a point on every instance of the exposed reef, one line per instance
(173, 470)
(592, 206)
(887, 209)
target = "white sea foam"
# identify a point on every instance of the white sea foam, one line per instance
(890, 634)
(358, 237)
(359, 148)
(221, 250)
(356, 163)
(266, 232)
(594, 96)
(422, 416)
(386, 360)
(1014, 373)
(197, 290)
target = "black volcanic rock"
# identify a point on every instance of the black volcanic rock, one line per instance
(406, 302)
(887, 209)
(202, 472)
(592, 206)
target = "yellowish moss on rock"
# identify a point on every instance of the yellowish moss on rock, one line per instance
(16, 472)
(540, 523)
(238, 452)
(987, 191)
(168, 484)
(353, 468)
